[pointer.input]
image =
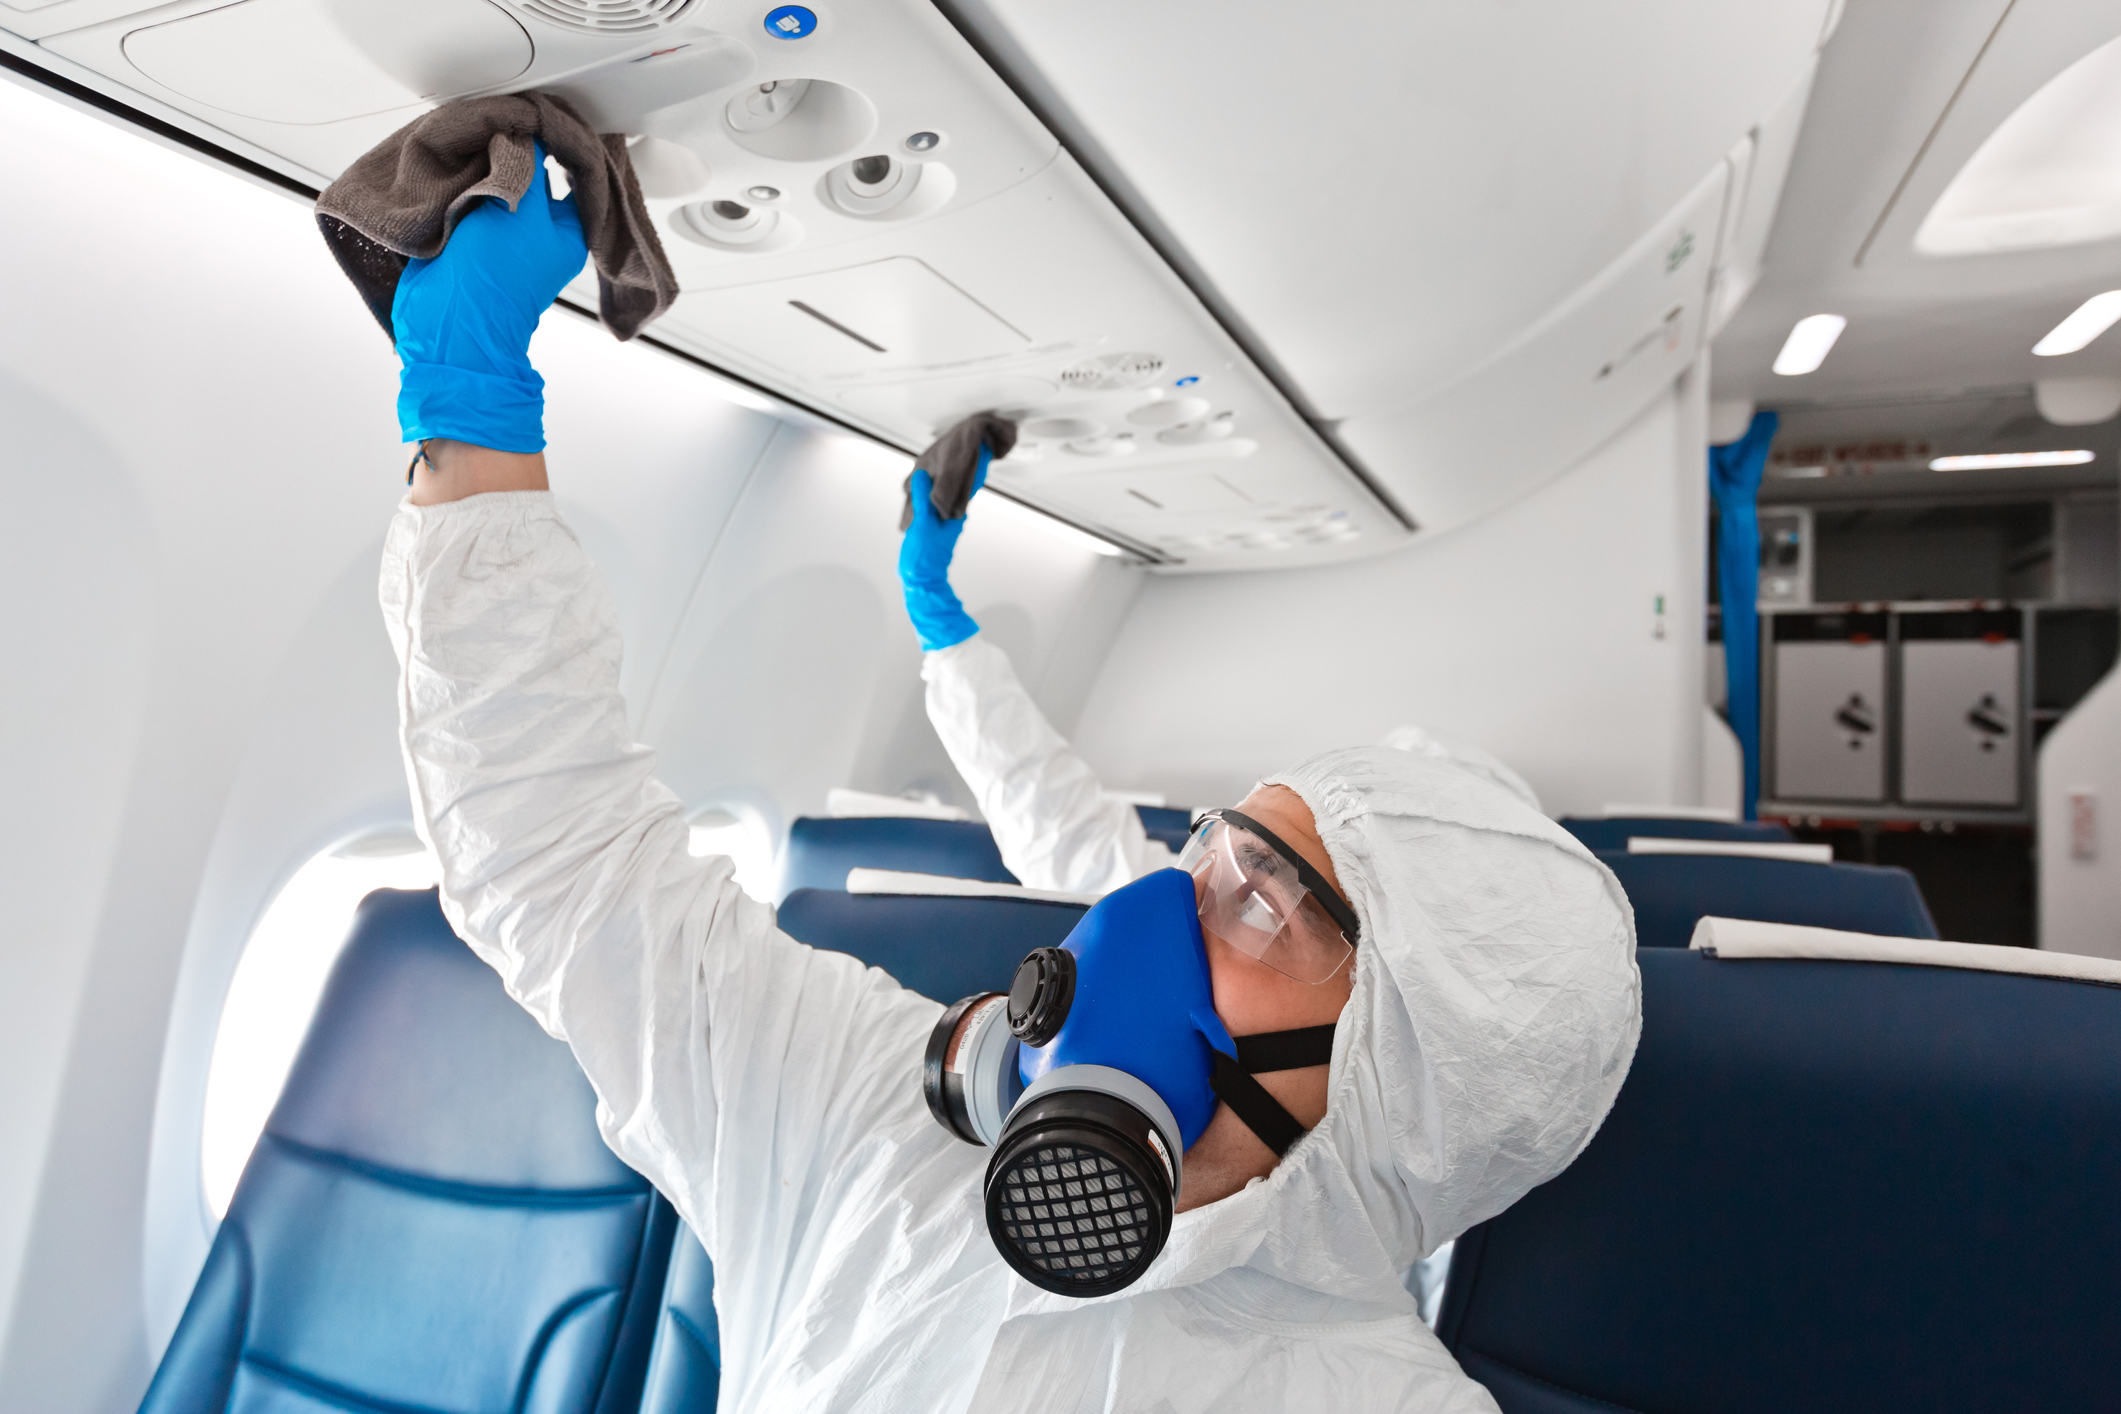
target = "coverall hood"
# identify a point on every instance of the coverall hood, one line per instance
(1495, 1011)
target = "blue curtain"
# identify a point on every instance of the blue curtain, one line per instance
(1735, 469)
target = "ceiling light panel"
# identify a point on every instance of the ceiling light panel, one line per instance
(1810, 340)
(2049, 175)
(2085, 323)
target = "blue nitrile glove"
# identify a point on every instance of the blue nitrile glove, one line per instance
(924, 566)
(464, 320)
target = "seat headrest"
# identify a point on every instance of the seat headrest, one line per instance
(1738, 849)
(943, 948)
(1739, 938)
(904, 884)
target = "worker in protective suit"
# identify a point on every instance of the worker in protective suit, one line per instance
(1480, 1021)
(1053, 825)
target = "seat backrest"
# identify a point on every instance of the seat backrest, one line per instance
(430, 1220)
(945, 948)
(1166, 824)
(1824, 1186)
(1614, 833)
(1671, 892)
(820, 852)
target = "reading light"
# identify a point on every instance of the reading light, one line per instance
(1992, 461)
(2086, 322)
(1806, 347)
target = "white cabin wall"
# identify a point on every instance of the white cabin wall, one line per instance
(1532, 633)
(2080, 883)
(200, 459)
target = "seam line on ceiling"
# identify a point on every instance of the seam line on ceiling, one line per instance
(1930, 137)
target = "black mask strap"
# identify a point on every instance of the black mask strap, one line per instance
(1249, 1100)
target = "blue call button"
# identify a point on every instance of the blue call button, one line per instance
(790, 22)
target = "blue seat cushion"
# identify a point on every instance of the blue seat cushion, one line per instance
(1616, 832)
(945, 948)
(1824, 1186)
(820, 852)
(1672, 892)
(430, 1220)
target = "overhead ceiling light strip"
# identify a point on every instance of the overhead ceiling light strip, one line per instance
(2001, 461)
(1810, 340)
(2085, 323)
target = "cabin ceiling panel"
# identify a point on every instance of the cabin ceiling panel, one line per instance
(1387, 193)
(1425, 215)
(1906, 94)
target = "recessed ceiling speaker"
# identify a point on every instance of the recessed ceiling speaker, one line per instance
(606, 16)
(1109, 372)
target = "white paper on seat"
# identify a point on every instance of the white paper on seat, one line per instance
(1737, 938)
(1744, 849)
(893, 881)
(844, 804)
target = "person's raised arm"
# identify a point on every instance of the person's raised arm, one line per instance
(729, 1061)
(1055, 827)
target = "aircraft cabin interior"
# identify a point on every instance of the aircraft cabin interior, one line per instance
(1589, 532)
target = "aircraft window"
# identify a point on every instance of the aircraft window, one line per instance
(277, 983)
(738, 832)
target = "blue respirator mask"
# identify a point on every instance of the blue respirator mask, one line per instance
(1104, 1062)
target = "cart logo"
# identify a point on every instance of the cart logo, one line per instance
(1856, 717)
(1987, 719)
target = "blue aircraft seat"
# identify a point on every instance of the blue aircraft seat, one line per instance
(685, 1367)
(1825, 1186)
(430, 1220)
(943, 948)
(820, 852)
(1167, 824)
(1673, 892)
(1616, 832)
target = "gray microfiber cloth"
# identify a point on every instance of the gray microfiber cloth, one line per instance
(953, 460)
(400, 201)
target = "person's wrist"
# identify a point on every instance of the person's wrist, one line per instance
(451, 470)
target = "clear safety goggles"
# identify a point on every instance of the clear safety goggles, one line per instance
(1260, 897)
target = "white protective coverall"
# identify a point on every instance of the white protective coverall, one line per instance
(772, 1091)
(1042, 801)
